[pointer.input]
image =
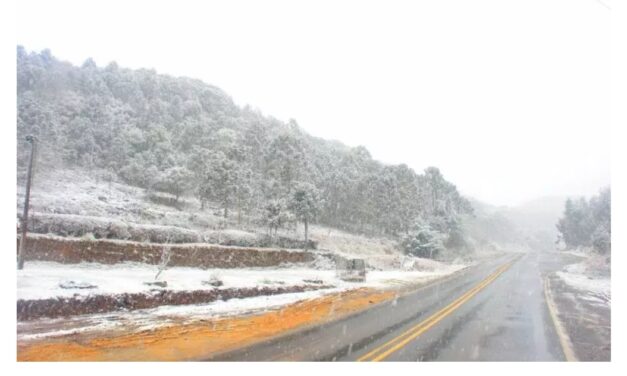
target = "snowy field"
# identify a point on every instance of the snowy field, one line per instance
(41, 280)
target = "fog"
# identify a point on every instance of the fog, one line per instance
(510, 102)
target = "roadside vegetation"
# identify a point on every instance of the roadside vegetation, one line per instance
(586, 224)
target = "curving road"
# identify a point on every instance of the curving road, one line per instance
(495, 311)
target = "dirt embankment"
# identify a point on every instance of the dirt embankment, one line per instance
(73, 250)
(200, 340)
(63, 307)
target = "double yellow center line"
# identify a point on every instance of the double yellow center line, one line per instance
(383, 351)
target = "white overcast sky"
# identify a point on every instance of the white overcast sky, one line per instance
(510, 99)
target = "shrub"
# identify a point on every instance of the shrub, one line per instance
(423, 242)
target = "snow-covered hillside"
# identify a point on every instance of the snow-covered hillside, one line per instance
(81, 203)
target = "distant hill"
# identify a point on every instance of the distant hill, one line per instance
(540, 214)
(531, 224)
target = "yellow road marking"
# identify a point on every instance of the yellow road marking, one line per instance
(421, 324)
(403, 339)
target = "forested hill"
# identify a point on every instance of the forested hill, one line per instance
(183, 136)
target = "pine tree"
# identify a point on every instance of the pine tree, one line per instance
(305, 204)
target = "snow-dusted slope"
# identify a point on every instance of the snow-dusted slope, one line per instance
(83, 199)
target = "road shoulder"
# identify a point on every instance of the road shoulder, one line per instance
(584, 324)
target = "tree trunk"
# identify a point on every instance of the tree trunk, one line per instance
(306, 233)
(226, 212)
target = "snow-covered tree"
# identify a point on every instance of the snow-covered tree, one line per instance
(587, 223)
(275, 215)
(285, 163)
(244, 190)
(304, 204)
(175, 180)
(221, 181)
(423, 241)
(576, 226)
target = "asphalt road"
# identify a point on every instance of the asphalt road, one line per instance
(495, 311)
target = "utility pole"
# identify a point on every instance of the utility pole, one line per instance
(29, 177)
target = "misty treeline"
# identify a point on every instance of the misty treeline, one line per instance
(181, 136)
(587, 223)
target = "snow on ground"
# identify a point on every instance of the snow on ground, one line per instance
(349, 244)
(600, 287)
(591, 277)
(579, 252)
(41, 279)
(83, 193)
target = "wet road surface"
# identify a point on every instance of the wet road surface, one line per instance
(495, 311)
